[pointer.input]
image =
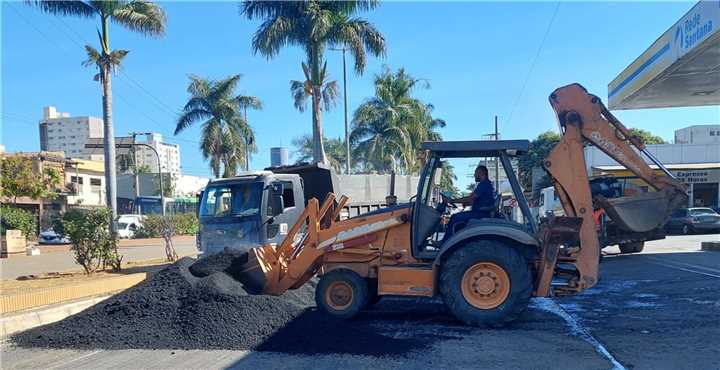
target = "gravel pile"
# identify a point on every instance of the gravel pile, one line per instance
(175, 310)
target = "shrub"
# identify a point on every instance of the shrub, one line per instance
(182, 224)
(14, 218)
(92, 245)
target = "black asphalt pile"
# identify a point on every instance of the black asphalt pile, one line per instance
(175, 310)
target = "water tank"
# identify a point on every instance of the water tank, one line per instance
(279, 157)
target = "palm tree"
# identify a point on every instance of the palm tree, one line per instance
(389, 127)
(335, 151)
(140, 16)
(225, 133)
(314, 25)
(302, 90)
(246, 102)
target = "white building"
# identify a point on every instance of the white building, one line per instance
(698, 134)
(61, 133)
(169, 154)
(85, 181)
(697, 165)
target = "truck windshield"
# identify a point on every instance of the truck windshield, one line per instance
(232, 200)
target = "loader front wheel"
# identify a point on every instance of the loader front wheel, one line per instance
(485, 283)
(341, 293)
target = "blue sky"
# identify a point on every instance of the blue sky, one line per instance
(476, 56)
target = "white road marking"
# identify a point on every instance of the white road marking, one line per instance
(65, 363)
(687, 269)
(666, 261)
(551, 306)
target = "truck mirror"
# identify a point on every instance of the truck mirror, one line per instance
(277, 205)
(278, 187)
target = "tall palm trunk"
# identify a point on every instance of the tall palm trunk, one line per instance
(318, 147)
(108, 132)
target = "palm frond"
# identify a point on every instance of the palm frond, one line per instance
(72, 8)
(141, 16)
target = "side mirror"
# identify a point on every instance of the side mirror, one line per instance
(277, 205)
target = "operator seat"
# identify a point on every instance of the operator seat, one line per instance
(492, 210)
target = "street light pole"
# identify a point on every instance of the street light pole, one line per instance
(345, 106)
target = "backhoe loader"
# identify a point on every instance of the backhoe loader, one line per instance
(488, 270)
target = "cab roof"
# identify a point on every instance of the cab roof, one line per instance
(476, 148)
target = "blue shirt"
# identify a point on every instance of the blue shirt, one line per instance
(485, 195)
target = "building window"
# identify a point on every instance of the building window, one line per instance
(50, 130)
(712, 133)
(95, 182)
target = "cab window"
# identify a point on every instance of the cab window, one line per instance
(232, 200)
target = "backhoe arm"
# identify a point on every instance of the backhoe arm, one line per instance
(583, 118)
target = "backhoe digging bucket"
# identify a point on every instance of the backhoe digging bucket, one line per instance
(642, 212)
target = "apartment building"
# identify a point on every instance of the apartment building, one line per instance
(59, 132)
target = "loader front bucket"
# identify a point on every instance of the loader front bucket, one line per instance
(643, 212)
(252, 268)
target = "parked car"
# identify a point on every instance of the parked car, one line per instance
(51, 237)
(127, 225)
(690, 220)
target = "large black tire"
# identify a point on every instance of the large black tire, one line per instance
(341, 293)
(485, 252)
(634, 247)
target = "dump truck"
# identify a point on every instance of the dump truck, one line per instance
(256, 208)
(488, 270)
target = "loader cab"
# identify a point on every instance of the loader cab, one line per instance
(249, 210)
(429, 213)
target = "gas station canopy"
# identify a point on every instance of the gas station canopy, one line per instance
(681, 68)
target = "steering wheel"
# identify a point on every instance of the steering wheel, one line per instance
(448, 196)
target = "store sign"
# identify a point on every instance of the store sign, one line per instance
(698, 176)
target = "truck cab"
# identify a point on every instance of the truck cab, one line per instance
(252, 209)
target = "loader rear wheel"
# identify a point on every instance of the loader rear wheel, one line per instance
(341, 293)
(486, 283)
(635, 247)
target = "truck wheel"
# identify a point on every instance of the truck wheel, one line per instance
(486, 283)
(634, 247)
(341, 293)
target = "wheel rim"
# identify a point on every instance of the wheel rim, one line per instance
(339, 295)
(485, 285)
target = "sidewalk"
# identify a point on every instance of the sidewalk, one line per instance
(60, 258)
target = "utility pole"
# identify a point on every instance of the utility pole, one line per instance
(497, 170)
(345, 106)
(135, 173)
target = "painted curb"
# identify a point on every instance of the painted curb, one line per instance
(44, 315)
(24, 301)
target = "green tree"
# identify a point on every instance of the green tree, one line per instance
(314, 25)
(302, 90)
(647, 137)
(334, 148)
(388, 128)
(540, 147)
(20, 180)
(92, 244)
(225, 133)
(140, 16)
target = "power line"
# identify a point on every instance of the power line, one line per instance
(532, 65)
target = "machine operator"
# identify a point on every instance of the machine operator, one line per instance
(482, 196)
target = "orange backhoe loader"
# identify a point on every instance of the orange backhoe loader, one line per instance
(489, 268)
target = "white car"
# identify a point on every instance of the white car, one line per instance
(51, 237)
(127, 224)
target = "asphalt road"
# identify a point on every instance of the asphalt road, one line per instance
(654, 310)
(63, 261)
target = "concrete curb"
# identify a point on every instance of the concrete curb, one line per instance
(44, 315)
(710, 246)
(24, 301)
